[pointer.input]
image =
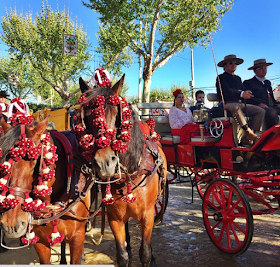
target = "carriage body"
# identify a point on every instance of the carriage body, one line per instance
(253, 177)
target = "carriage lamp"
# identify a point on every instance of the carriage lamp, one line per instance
(200, 115)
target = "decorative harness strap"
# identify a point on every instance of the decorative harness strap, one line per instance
(69, 155)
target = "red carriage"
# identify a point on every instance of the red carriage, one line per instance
(253, 174)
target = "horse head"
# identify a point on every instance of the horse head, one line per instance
(17, 171)
(110, 131)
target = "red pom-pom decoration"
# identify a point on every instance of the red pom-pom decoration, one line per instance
(114, 100)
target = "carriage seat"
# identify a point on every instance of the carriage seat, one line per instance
(218, 112)
(163, 128)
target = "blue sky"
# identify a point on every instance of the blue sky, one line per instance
(251, 30)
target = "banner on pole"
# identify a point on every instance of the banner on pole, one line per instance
(70, 45)
(13, 77)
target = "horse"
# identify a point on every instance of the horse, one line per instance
(133, 170)
(52, 222)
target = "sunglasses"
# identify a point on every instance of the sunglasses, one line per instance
(233, 62)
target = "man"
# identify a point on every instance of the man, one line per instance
(231, 88)
(200, 97)
(262, 91)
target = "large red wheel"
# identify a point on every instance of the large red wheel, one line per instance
(203, 178)
(227, 217)
(161, 203)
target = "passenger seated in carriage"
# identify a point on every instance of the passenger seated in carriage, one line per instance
(199, 96)
(181, 119)
(235, 96)
(263, 94)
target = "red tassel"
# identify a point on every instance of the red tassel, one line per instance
(55, 237)
(129, 196)
(108, 198)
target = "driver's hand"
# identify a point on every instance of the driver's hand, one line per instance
(247, 94)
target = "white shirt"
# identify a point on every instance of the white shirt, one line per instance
(178, 118)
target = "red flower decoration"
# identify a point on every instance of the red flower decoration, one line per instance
(176, 92)
(100, 100)
(99, 123)
(113, 100)
(98, 112)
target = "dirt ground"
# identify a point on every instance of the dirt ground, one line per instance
(181, 240)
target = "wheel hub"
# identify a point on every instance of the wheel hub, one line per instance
(218, 217)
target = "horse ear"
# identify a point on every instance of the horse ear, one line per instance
(6, 126)
(39, 129)
(117, 88)
(83, 86)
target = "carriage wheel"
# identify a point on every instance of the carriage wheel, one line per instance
(161, 204)
(172, 170)
(227, 217)
(203, 178)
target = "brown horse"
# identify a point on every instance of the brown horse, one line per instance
(16, 222)
(135, 169)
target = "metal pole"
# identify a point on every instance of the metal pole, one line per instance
(192, 69)
(140, 72)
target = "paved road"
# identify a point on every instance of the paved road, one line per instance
(180, 240)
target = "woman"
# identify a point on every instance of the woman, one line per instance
(181, 119)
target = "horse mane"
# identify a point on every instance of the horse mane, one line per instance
(8, 140)
(134, 153)
(131, 157)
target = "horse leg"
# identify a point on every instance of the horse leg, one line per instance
(63, 252)
(44, 253)
(127, 238)
(83, 257)
(145, 251)
(118, 230)
(77, 247)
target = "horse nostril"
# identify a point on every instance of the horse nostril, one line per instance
(114, 159)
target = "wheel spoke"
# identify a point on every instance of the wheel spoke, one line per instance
(229, 199)
(222, 233)
(212, 205)
(234, 234)
(222, 194)
(235, 205)
(215, 195)
(239, 227)
(228, 237)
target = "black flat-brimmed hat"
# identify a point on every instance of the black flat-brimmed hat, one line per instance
(259, 63)
(3, 94)
(230, 58)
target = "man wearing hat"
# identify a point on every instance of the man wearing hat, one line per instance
(231, 88)
(3, 105)
(262, 91)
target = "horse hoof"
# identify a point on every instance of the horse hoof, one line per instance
(153, 264)
(129, 253)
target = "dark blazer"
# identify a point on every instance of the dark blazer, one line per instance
(259, 90)
(231, 87)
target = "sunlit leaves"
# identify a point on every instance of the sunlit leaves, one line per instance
(178, 24)
(39, 39)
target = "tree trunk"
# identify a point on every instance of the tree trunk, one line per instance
(147, 77)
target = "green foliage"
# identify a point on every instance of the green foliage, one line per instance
(167, 94)
(154, 29)
(39, 41)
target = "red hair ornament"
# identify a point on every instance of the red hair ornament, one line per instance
(177, 92)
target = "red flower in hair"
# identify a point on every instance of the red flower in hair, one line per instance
(176, 92)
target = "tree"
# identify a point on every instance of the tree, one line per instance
(168, 26)
(28, 82)
(40, 42)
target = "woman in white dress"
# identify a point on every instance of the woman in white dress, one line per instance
(181, 119)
